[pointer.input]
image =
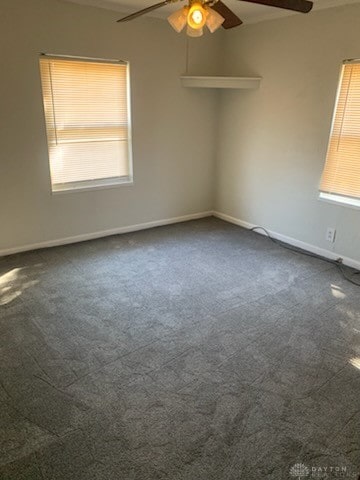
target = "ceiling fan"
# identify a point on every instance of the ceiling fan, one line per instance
(213, 14)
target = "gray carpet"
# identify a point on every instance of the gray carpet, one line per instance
(197, 351)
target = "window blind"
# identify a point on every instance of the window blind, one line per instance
(87, 119)
(341, 175)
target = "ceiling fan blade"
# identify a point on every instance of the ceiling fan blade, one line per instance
(302, 6)
(231, 20)
(145, 10)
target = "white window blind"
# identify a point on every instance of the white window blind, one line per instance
(87, 118)
(341, 175)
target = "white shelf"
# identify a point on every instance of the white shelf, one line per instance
(220, 82)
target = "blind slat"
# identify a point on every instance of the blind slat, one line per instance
(87, 119)
(341, 173)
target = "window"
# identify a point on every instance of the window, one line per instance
(341, 176)
(86, 104)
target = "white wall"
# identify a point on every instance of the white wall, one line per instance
(173, 127)
(272, 142)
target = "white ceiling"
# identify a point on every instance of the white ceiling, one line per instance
(249, 13)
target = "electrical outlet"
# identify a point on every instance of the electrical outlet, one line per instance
(330, 234)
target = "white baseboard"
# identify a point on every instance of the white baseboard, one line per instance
(291, 241)
(184, 218)
(104, 233)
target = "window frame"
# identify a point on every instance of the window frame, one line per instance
(340, 200)
(97, 183)
(332, 197)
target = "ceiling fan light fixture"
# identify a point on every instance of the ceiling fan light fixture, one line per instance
(214, 20)
(178, 19)
(194, 32)
(197, 15)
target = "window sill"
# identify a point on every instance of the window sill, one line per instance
(340, 200)
(92, 185)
